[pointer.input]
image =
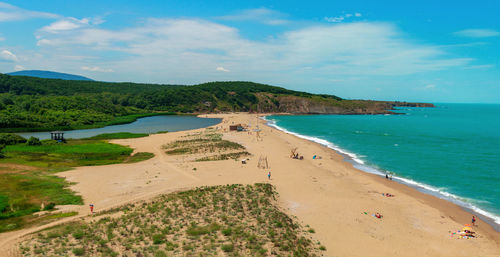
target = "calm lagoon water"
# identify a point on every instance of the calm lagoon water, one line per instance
(152, 124)
(451, 151)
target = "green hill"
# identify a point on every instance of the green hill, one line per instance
(28, 103)
(48, 75)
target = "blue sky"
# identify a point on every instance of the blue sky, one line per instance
(433, 51)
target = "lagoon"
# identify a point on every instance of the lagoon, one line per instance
(149, 125)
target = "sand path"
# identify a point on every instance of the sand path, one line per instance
(328, 194)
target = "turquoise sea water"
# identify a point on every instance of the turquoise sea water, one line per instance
(452, 150)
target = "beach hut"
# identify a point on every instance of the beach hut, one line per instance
(235, 127)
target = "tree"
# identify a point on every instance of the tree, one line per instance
(34, 141)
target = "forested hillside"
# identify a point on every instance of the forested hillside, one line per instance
(28, 103)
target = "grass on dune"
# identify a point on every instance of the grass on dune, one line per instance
(139, 157)
(231, 220)
(224, 156)
(210, 144)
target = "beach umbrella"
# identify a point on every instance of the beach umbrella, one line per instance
(467, 228)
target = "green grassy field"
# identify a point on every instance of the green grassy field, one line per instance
(231, 220)
(23, 190)
(71, 154)
(22, 193)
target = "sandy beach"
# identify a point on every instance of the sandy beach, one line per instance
(325, 193)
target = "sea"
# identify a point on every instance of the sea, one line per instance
(451, 151)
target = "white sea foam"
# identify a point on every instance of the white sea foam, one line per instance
(360, 164)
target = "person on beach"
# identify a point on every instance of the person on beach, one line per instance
(269, 175)
(91, 208)
(473, 220)
(386, 176)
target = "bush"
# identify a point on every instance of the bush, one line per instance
(4, 203)
(227, 248)
(49, 207)
(1, 148)
(160, 253)
(227, 231)
(78, 234)
(78, 251)
(11, 139)
(33, 141)
(157, 239)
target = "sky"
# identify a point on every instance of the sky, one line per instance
(430, 51)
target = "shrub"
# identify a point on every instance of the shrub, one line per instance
(4, 203)
(160, 253)
(227, 248)
(11, 139)
(49, 207)
(227, 231)
(78, 234)
(33, 141)
(78, 251)
(157, 239)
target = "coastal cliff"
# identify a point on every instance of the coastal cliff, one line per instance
(321, 105)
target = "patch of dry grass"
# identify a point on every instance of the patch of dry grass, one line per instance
(206, 147)
(231, 220)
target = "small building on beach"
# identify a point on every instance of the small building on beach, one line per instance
(236, 127)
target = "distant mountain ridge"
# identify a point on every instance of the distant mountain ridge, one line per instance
(48, 75)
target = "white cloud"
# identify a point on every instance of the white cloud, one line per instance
(261, 15)
(18, 68)
(65, 24)
(477, 33)
(6, 55)
(221, 69)
(341, 18)
(96, 69)
(10, 12)
(187, 50)
(334, 19)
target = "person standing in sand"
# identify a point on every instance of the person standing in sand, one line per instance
(269, 175)
(473, 220)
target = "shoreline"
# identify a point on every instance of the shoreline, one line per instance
(421, 189)
(328, 194)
